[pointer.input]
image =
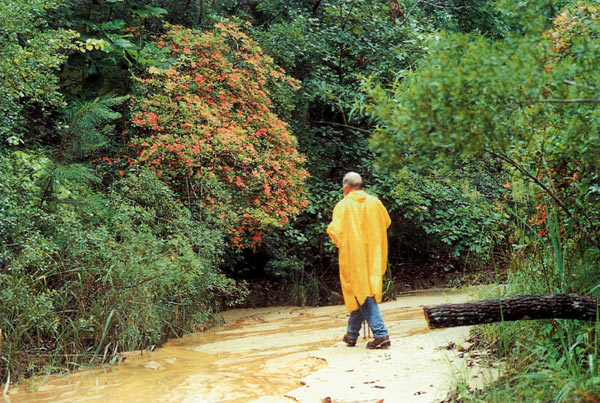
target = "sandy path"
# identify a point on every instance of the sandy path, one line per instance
(277, 354)
(417, 368)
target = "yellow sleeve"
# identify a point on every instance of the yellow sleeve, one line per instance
(385, 216)
(335, 228)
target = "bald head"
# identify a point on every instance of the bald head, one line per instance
(352, 180)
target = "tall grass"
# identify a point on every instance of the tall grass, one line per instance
(547, 360)
(304, 290)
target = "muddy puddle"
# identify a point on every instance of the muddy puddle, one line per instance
(272, 355)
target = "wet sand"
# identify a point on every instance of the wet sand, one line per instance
(278, 354)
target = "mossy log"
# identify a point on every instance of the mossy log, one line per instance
(522, 307)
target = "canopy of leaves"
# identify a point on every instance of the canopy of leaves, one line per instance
(517, 99)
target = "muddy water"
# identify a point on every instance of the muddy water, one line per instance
(268, 355)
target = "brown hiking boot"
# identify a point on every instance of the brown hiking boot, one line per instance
(381, 342)
(349, 340)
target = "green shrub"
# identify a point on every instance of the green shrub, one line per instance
(95, 274)
(30, 57)
(453, 213)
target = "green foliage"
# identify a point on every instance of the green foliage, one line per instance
(458, 103)
(549, 361)
(451, 211)
(90, 275)
(333, 47)
(459, 15)
(114, 38)
(30, 56)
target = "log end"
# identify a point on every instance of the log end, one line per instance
(425, 308)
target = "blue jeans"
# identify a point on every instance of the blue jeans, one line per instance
(368, 311)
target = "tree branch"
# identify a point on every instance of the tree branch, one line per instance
(568, 101)
(340, 124)
(407, 14)
(570, 82)
(139, 283)
(560, 203)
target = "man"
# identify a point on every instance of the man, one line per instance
(358, 229)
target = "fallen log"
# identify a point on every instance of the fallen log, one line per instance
(522, 307)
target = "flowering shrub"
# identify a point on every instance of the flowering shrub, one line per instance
(207, 126)
(571, 23)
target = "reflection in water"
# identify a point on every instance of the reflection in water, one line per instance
(260, 354)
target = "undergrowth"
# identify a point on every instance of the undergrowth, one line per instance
(85, 276)
(545, 360)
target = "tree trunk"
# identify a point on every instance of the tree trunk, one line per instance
(522, 307)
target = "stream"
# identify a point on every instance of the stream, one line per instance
(279, 354)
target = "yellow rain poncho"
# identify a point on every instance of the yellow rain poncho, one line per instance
(358, 229)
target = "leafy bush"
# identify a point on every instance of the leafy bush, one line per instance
(30, 57)
(453, 213)
(91, 275)
(458, 104)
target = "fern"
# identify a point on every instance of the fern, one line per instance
(86, 129)
(74, 173)
(87, 126)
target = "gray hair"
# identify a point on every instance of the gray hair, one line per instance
(353, 180)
